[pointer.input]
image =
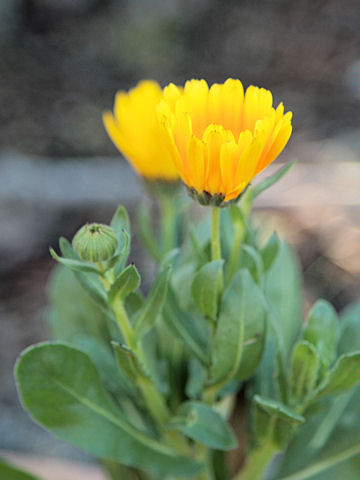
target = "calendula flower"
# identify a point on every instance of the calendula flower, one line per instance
(220, 138)
(135, 130)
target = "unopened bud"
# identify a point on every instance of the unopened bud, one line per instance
(95, 242)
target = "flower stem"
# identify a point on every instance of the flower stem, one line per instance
(168, 211)
(256, 463)
(215, 234)
(239, 232)
(215, 243)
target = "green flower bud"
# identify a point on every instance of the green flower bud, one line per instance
(95, 242)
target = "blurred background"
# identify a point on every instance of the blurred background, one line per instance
(61, 62)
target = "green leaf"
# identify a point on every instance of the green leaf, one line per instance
(322, 330)
(76, 265)
(9, 472)
(270, 251)
(203, 424)
(128, 281)
(128, 361)
(72, 312)
(274, 422)
(133, 302)
(119, 259)
(102, 356)
(282, 288)
(62, 390)
(308, 457)
(169, 259)
(241, 321)
(67, 250)
(196, 378)
(89, 282)
(121, 224)
(185, 327)
(94, 288)
(204, 288)
(304, 370)
(182, 286)
(344, 375)
(350, 329)
(270, 181)
(153, 305)
(251, 260)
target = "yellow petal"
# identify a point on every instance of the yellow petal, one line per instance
(214, 137)
(197, 163)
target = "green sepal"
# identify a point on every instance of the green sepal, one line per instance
(204, 425)
(146, 317)
(204, 288)
(344, 375)
(304, 370)
(322, 330)
(274, 422)
(9, 472)
(62, 390)
(270, 181)
(126, 283)
(269, 251)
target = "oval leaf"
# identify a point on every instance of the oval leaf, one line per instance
(204, 425)
(204, 288)
(153, 304)
(270, 251)
(304, 370)
(344, 375)
(128, 281)
(322, 330)
(241, 311)
(62, 390)
(274, 421)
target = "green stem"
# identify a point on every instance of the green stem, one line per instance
(203, 455)
(239, 232)
(154, 400)
(168, 211)
(215, 243)
(124, 323)
(215, 234)
(256, 463)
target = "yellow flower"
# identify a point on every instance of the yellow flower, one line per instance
(135, 130)
(221, 137)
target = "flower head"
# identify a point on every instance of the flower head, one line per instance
(135, 130)
(220, 137)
